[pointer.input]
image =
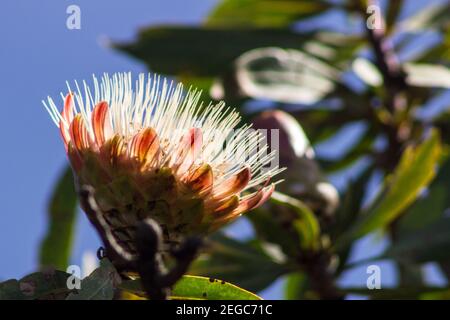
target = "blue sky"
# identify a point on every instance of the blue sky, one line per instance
(38, 54)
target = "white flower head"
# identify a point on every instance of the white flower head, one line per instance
(153, 150)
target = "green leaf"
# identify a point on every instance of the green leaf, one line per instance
(351, 204)
(56, 247)
(10, 290)
(99, 285)
(348, 212)
(367, 71)
(414, 172)
(277, 74)
(436, 295)
(297, 285)
(263, 13)
(45, 285)
(197, 51)
(269, 228)
(429, 207)
(425, 211)
(438, 53)
(244, 263)
(431, 243)
(433, 16)
(197, 288)
(427, 75)
(393, 11)
(410, 274)
(50, 284)
(445, 268)
(305, 224)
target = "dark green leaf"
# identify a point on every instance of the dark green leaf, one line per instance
(429, 207)
(348, 213)
(10, 290)
(196, 51)
(393, 11)
(50, 284)
(351, 203)
(269, 227)
(263, 13)
(431, 243)
(244, 264)
(414, 172)
(445, 268)
(305, 224)
(45, 285)
(410, 274)
(99, 285)
(57, 245)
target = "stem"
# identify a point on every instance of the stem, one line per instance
(396, 102)
(321, 277)
(395, 87)
(148, 261)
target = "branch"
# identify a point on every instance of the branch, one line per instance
(120, 257)
(156, 280)
(148, 262)
(385, 57)
(395, 85)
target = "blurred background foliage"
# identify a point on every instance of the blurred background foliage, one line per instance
(288, 65)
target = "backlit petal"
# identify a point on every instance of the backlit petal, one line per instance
(226, 207)
(189, 150)
(78, 133)
(67, 117)
(253, 201)
(233, 185)
(144, 146)
(101, 123)
(201, 180)
(113, 150)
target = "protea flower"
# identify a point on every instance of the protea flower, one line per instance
(155, 151)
